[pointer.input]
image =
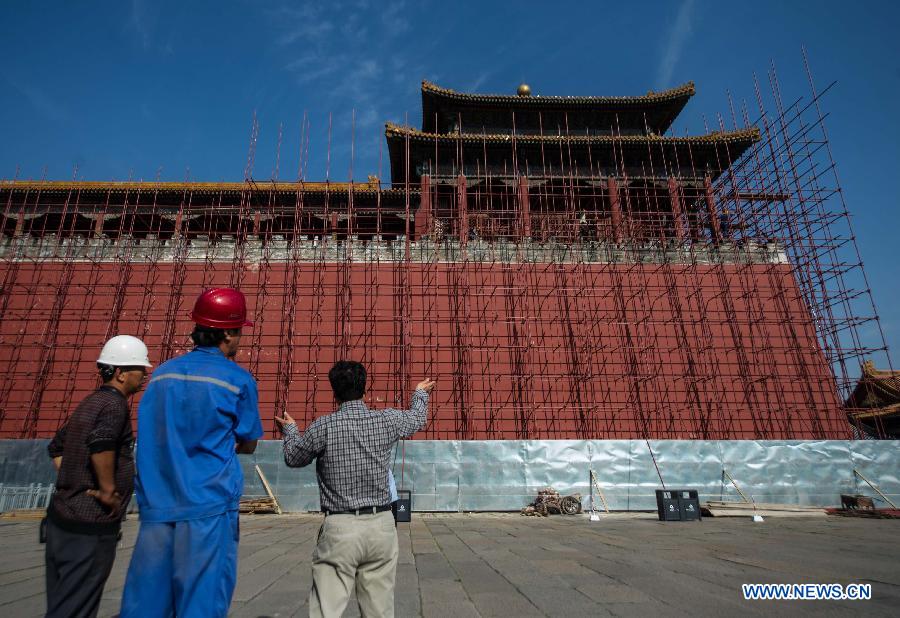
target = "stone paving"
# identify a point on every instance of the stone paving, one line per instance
(507, 565)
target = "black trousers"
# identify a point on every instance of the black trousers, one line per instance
(77, 568)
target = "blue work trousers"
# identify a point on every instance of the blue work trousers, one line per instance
(183, 568)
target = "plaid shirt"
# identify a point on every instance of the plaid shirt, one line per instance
(101, 422)
(352, 449)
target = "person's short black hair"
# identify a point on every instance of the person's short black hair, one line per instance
(107, 372)
(206, 337)
(348, 380)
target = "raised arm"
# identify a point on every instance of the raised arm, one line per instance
(412, 420)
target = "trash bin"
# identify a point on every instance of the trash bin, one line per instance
(689, 503)
(678, 505)
(404, 505)
(667, 506)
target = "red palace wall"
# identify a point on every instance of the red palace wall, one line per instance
(520, 351)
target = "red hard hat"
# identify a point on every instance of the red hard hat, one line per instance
(221, 308)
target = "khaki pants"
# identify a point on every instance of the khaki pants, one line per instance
(358, 550)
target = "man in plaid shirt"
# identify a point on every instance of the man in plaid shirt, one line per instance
(357, 542)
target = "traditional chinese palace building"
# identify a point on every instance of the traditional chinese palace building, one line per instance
(563, 266)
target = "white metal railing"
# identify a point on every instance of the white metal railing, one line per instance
(34, 496)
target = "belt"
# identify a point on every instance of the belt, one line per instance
(366, 510)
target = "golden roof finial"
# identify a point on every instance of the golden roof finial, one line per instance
(524, 90)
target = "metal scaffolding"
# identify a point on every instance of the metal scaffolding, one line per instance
(645, 296)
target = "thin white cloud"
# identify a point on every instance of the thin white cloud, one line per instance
(677, 36)
(479, 81)
(140, 21)
(368, 117)
(313, 66)
(301, 62)
(394, 19)
(42, 103)
(341, 50)
(142, 27)
(355, 71)
(354, 28)
(307, 32)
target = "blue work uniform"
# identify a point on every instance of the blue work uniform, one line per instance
(188, 485)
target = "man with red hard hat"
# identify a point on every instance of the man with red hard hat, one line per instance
(199, 411)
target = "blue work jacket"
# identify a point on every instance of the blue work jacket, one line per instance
(196, 407)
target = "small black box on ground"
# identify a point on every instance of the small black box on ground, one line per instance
(403, 508)
(677, 504)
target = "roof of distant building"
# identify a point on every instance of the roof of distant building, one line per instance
(682, 92)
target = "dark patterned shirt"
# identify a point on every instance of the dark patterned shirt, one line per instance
(352, 450)
(101, 422)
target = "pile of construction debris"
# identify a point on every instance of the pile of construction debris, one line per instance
(549, 502)
(261, 504)
(258, 506)
(716, 508)
(866, 513)
(857, 505)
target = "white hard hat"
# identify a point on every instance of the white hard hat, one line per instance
(124, 351)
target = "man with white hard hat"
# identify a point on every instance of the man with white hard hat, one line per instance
(93, 454)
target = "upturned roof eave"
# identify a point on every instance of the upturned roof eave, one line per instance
(683, 92)
(749, 135)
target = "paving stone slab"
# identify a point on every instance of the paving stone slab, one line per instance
(502, 564)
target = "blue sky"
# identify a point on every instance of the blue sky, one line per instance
(144, 88)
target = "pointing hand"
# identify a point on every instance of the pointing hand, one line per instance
(426, 385)
(284, 421)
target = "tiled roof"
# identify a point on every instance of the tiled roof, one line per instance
(742, 136)
(684, 91)
(877, 388)
(373, 184)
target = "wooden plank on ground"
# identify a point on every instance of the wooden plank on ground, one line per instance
(265, 483)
